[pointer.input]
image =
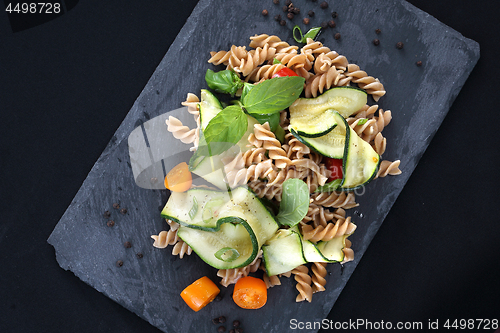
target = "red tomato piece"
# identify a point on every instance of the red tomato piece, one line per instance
(334, 165)
(284, 72)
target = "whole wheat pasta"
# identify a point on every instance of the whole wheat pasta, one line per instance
(318, 280)
(181, 249)
(325, 233)
(364, 81)
(301, 275)
(388, 168)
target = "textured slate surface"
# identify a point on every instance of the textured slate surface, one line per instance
(419, 98)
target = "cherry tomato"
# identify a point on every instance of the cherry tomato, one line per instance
(179, 179)
(250, 293)
(335, 167)
(284, 72)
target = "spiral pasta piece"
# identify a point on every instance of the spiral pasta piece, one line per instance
(219, 58)
(181, 249)
(273, 41)
(348, 252)
(321, 233)
(379, 143)
(301, 275)
(366, 82)
(181, 132)
(271, 281)
(318, 276)
(268, 141)
(319, 83)
(335, 199)
(388, 168)
(165, 238)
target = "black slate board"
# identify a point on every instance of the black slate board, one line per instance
(419, 98)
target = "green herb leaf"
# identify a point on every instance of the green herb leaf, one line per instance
(223, 131)
(294, 202)
(312, 33)
(276, 61)
(329, 187)
(226, 81)
(227, 254)
(194, 209)
(273, 119)
(273, 95)
(362, 121)
(246, 88)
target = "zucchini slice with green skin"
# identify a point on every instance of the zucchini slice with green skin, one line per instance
(324, 251)
(232, 238)
(344, 100)
(360, 162)
(209, 106)
(331, 145)
(283, 252)
(312, 125)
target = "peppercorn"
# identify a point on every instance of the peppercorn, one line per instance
(236, 323)
(110, 223)
(282, 22)
(290, 16)
(419, 63)
(334, 15)
(288, 2)
(324, 5)
(399, 45)
(140, 255)
(291, 8)
(285, 8)
(378, 31)
(123, 211)
(232, 330)
(116, 206)
(332, 24)
(376, 42)
(221, 329)
(216, 321)
(222, 319)
(296, 10)
(277, 18)
(119, 263)
(107, 214)
(310, 13)
(238, 330)
(305, 20)
(324, 25)
(265, 12)
(127, 245)
(337, 36)
(276, 2)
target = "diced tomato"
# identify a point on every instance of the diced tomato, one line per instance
(334, 165)
(284, 72)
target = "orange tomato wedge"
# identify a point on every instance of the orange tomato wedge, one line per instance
(201, 292)
(179, 179)
(250, 293)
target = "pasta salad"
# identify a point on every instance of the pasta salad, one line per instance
(282, 162)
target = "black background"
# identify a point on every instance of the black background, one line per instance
(65, 87)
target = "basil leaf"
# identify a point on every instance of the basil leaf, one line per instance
(226, 81)
(246, 88)
(273, 119)
(329, 187)
(223, 131)
(194, 209)
(294, 202)
(273, 95)
(276, 61)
